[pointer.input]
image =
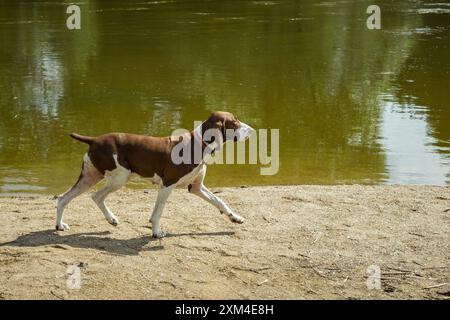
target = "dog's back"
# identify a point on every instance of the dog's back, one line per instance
(139, 153)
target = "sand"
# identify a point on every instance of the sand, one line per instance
(298, 242)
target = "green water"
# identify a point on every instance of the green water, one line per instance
(353, 105)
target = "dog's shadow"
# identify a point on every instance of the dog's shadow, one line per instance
(99, 241)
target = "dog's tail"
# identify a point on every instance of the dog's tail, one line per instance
(81, 138)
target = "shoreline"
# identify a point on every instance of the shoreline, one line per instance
(298, 242)
(137, 185)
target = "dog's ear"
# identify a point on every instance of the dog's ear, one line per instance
(213, 131)
(224, 129)
(219, 124)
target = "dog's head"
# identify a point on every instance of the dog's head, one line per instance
(223, 126)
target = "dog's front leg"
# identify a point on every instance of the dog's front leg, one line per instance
(161, 199)
(203, 192)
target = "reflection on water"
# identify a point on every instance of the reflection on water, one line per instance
(353, 105)
(411, 153)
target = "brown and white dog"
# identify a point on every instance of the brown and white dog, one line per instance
(114, 156)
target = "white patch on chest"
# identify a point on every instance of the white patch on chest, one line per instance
(183, 181)
(190, 177)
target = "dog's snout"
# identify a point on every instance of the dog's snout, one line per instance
(244, 131)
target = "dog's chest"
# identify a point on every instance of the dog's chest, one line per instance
(191, 176)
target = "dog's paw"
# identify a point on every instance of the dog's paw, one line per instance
(62, 226)
(113, 221)
(160, 234)
(236, 218)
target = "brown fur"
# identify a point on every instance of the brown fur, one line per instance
(147, 155)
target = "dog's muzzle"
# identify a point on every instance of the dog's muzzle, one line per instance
(244, 132)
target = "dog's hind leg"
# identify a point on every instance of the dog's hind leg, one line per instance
(89, 177)
(115, 179)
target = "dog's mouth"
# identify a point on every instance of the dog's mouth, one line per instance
(244, 132)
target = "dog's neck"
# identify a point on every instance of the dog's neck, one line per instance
(197, 138)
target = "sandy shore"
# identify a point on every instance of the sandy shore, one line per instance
(298, 242)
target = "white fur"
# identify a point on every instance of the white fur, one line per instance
(161, 199)
(88, 178)
(156, 180)
(191, 176)
(163, 195)
(207, 195)
(115, 179)
(244, 131)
